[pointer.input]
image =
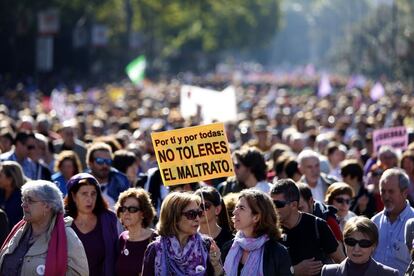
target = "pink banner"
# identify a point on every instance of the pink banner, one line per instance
(395, 137)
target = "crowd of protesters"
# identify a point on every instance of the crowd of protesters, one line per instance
(81, 192)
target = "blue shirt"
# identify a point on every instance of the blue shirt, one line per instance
(391, 249)
(29, 167)
(60, 181)
(12, 206)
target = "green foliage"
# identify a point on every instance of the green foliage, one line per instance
(382, 43)
(173, 31)
(179, 29)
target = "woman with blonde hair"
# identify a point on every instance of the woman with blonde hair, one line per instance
(180, 249)
(11, 180)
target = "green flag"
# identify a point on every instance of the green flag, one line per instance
(136, 69)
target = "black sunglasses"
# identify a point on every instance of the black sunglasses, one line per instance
(206, 206)
(131, 209)
(362, 243)
(101, 161)
(341, 200)
(280, 204)
(192, 214)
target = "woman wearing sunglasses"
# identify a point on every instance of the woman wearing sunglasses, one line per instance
(340, 194)
(214, 221)
(361, 238)
(255, 249)
(94, 223)
(180, 249)
(135, 211)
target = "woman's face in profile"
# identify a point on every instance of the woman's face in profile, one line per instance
(359, 247)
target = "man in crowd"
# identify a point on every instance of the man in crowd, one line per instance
(250, 168)
(391, 249)
(24, 142)
(326, 212)
(309, 166)
(363, 204)
(70, 142)
(309, 240)
(112, 182)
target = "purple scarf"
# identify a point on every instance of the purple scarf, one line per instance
(171, 259)
(254, 263)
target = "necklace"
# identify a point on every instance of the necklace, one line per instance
(125, 250)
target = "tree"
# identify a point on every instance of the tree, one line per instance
(176, 32)
(382, 43)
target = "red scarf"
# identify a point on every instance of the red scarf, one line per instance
(57, 251)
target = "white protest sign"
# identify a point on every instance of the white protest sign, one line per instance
(213, 105)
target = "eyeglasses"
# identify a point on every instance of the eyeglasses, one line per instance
(193, 214)
(131, 209)
(205, 206)
(280, 204)
(342, 200)
(101, 161)
(29, 200)
(362, 243)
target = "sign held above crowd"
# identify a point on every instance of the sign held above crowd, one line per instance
(396, 137)
(192, 154)
(209, 104)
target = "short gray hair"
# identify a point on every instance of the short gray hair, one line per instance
(403, 180)
(305, 154)
(46, 191)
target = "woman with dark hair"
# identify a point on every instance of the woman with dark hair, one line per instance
(180, 249)
(135, 211)
(11, 181)
(126, 162)
(340, 195)
(214, 221)
(94, 223)
(67, 165)
(361, 239)
(255, 249)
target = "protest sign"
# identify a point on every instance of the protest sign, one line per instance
(211, 104)
(325, 87)
(395, 137)
(192, 154)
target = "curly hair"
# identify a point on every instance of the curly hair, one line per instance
(144, 201)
